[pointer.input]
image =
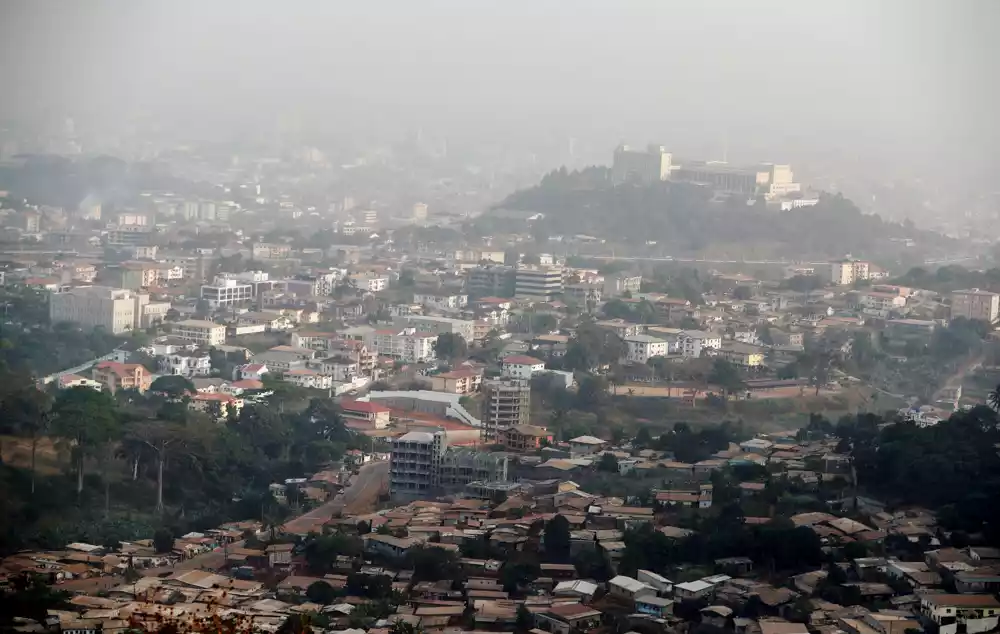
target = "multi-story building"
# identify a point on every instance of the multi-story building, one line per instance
(441, 301)
(114, 309)
(306, 377)
(621, 327)
(204, 332)
(370, 415)
(642, 348)
(466, 381)
(369, 283)
(226, 292)
(975, 304)
(583, 293)
(422, 465)
(740, 354)
(188, 364)
(954, 613)
(405, 344)
(880, 304)
(491, 281)
(521, 438)
(269, 251)
(693, 343)
(844, 272)
(129, 235)
(506, 403)
(539, 283)
(419, 212)
(519, 366)
(617, 284)
(114, 376)
(439, 325)
(641, 166)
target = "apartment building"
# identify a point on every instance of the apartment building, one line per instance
(693, 343)
(114, 376)
(538, 283)
(368, 282)
(880, 304)
(441, 301)
(618, 284)
(975, 304)
(844, 272)
(305, 377)
(405, 344)
(642, 348)
(491, 281)
(227, 292)
(621, 327)
(422, 465)
(189, 364)
(740, 354)
(506, 403)
(116, 310)
(271, 251)
(466, 381)
(204, 332)
(633, 165)
(519, 366)
(439, 325)
(954, 613)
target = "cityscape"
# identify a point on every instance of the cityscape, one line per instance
(349, 319)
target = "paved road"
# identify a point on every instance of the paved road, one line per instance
(359, 497)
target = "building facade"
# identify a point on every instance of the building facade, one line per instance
(539, 283)
(975, 304)
(114, 309)
(506, 403)
(204, 332)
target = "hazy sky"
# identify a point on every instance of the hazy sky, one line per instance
(920, 73)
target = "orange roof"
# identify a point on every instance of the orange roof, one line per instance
(120, 368)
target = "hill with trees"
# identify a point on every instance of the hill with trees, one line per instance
(688, 219)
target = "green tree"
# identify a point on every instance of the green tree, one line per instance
(173, 386)
(321, 592)
(557, 538)
(726, 376)
(450, 345)
(163, 540)
(86, 418)
(608, 463)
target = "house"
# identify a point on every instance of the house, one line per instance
(586, 445)
(219, 406)
(304, 377)
(187, 364)
(642, 348)
(372, 415)
(662, 585)
(252, 371)
(954, 613)
(567, 618)
(693, 342)
(521, 366)
(114, 376)
(577, 589)
(463, 381)
(693, 590)
(628, 588)
(743, 355)
(716, 615)
(279, 554)
(67, 381)
(522, 438)
(388, 546)
(654, 606)
(736, 566)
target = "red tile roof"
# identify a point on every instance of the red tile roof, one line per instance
(521, 359)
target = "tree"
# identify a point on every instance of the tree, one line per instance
(30, 412)
(160, 437)
(726, 376)
(557, 538)
(450, 345)
(321, 592)
(173, 386)
(608, 463)
(163, 540)
(86, 418)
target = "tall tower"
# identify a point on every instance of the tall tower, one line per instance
(506, 403)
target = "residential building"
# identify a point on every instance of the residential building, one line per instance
(187, 364)
(67, 381)
(693, 343)
(227, 292)
(975, 304)
(844, 272)
(414, 460)
(881, 304)
(204, 332)
(583, 294)
(114, 309)
(568, 618)
(461, 381)
(304, 377)
(621, 327)
(368, 282)
(439, 325)
(630, 589)
(218, 406)
(506, 403)
(491, 281)
(342, 369)
(744, 355)
(251, 371)
(281, 361)
(521, 367)
(538, 283)
(371, 415)
(642, 348)
(586, 445)
(632, 165)
(406, 344)
(524, 438)
(271, 251)
(441, 301)
(954, 613)
(114, 376)
(618, 284)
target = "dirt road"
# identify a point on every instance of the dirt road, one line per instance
(359, 497)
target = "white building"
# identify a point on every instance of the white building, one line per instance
(844, 272)
(538, 283)
(439, 325)
(187, 364)
(975, 304)
(369, 283)
(967, 613)
(586, 445)
(617, 284)
(405, 344)
(642, 348)
(629, 589)
(521, 367)
(694, 342)
(441, 301)
(204, 332)
(114, 309)
(226, 292)
(309, 378)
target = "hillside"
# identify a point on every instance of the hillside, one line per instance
(685, 220)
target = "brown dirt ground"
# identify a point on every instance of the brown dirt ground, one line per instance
(17, 452)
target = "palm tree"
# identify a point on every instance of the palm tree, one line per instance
(993, 398)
